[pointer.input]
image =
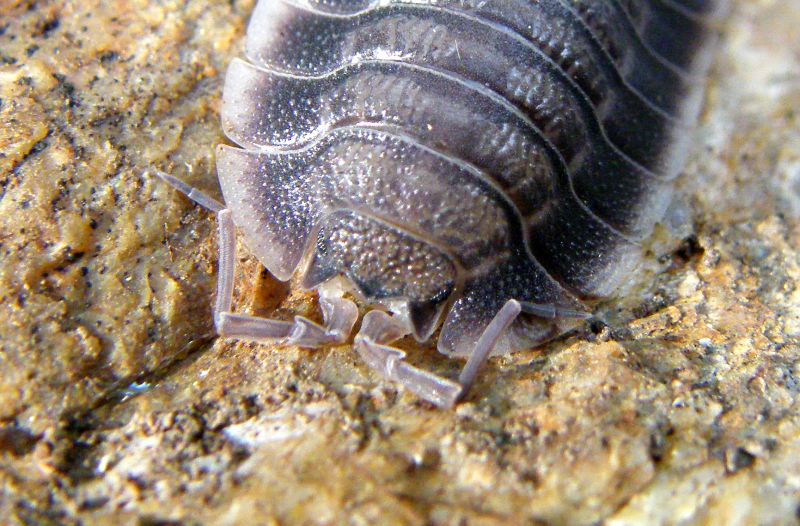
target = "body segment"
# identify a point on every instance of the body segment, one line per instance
(458, 162)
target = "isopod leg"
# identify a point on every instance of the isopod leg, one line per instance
(483, 348)
(192, 193)
(339, 314)
(499, 324)
(226, 266)
(377, 331)
(380, 329)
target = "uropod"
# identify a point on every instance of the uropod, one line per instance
(489, 168)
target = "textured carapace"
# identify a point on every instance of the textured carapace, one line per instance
(447, 156)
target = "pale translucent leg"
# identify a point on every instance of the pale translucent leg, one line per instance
(377, 331)
(483, 348)
(502, 321)
(339, 314)
(380, 329)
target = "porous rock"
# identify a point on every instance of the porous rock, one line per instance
(679, 405)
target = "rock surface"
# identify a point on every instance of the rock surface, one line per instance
(117, 405)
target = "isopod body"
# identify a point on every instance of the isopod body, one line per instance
(490, 164)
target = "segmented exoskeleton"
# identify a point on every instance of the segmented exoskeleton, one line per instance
(493, 163)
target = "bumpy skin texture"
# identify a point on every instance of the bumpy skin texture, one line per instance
(458, 154)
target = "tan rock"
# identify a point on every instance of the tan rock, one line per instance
(117, 406)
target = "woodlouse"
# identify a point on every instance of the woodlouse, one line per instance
(496, 163)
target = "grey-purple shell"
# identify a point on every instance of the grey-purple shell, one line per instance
(451, 155)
